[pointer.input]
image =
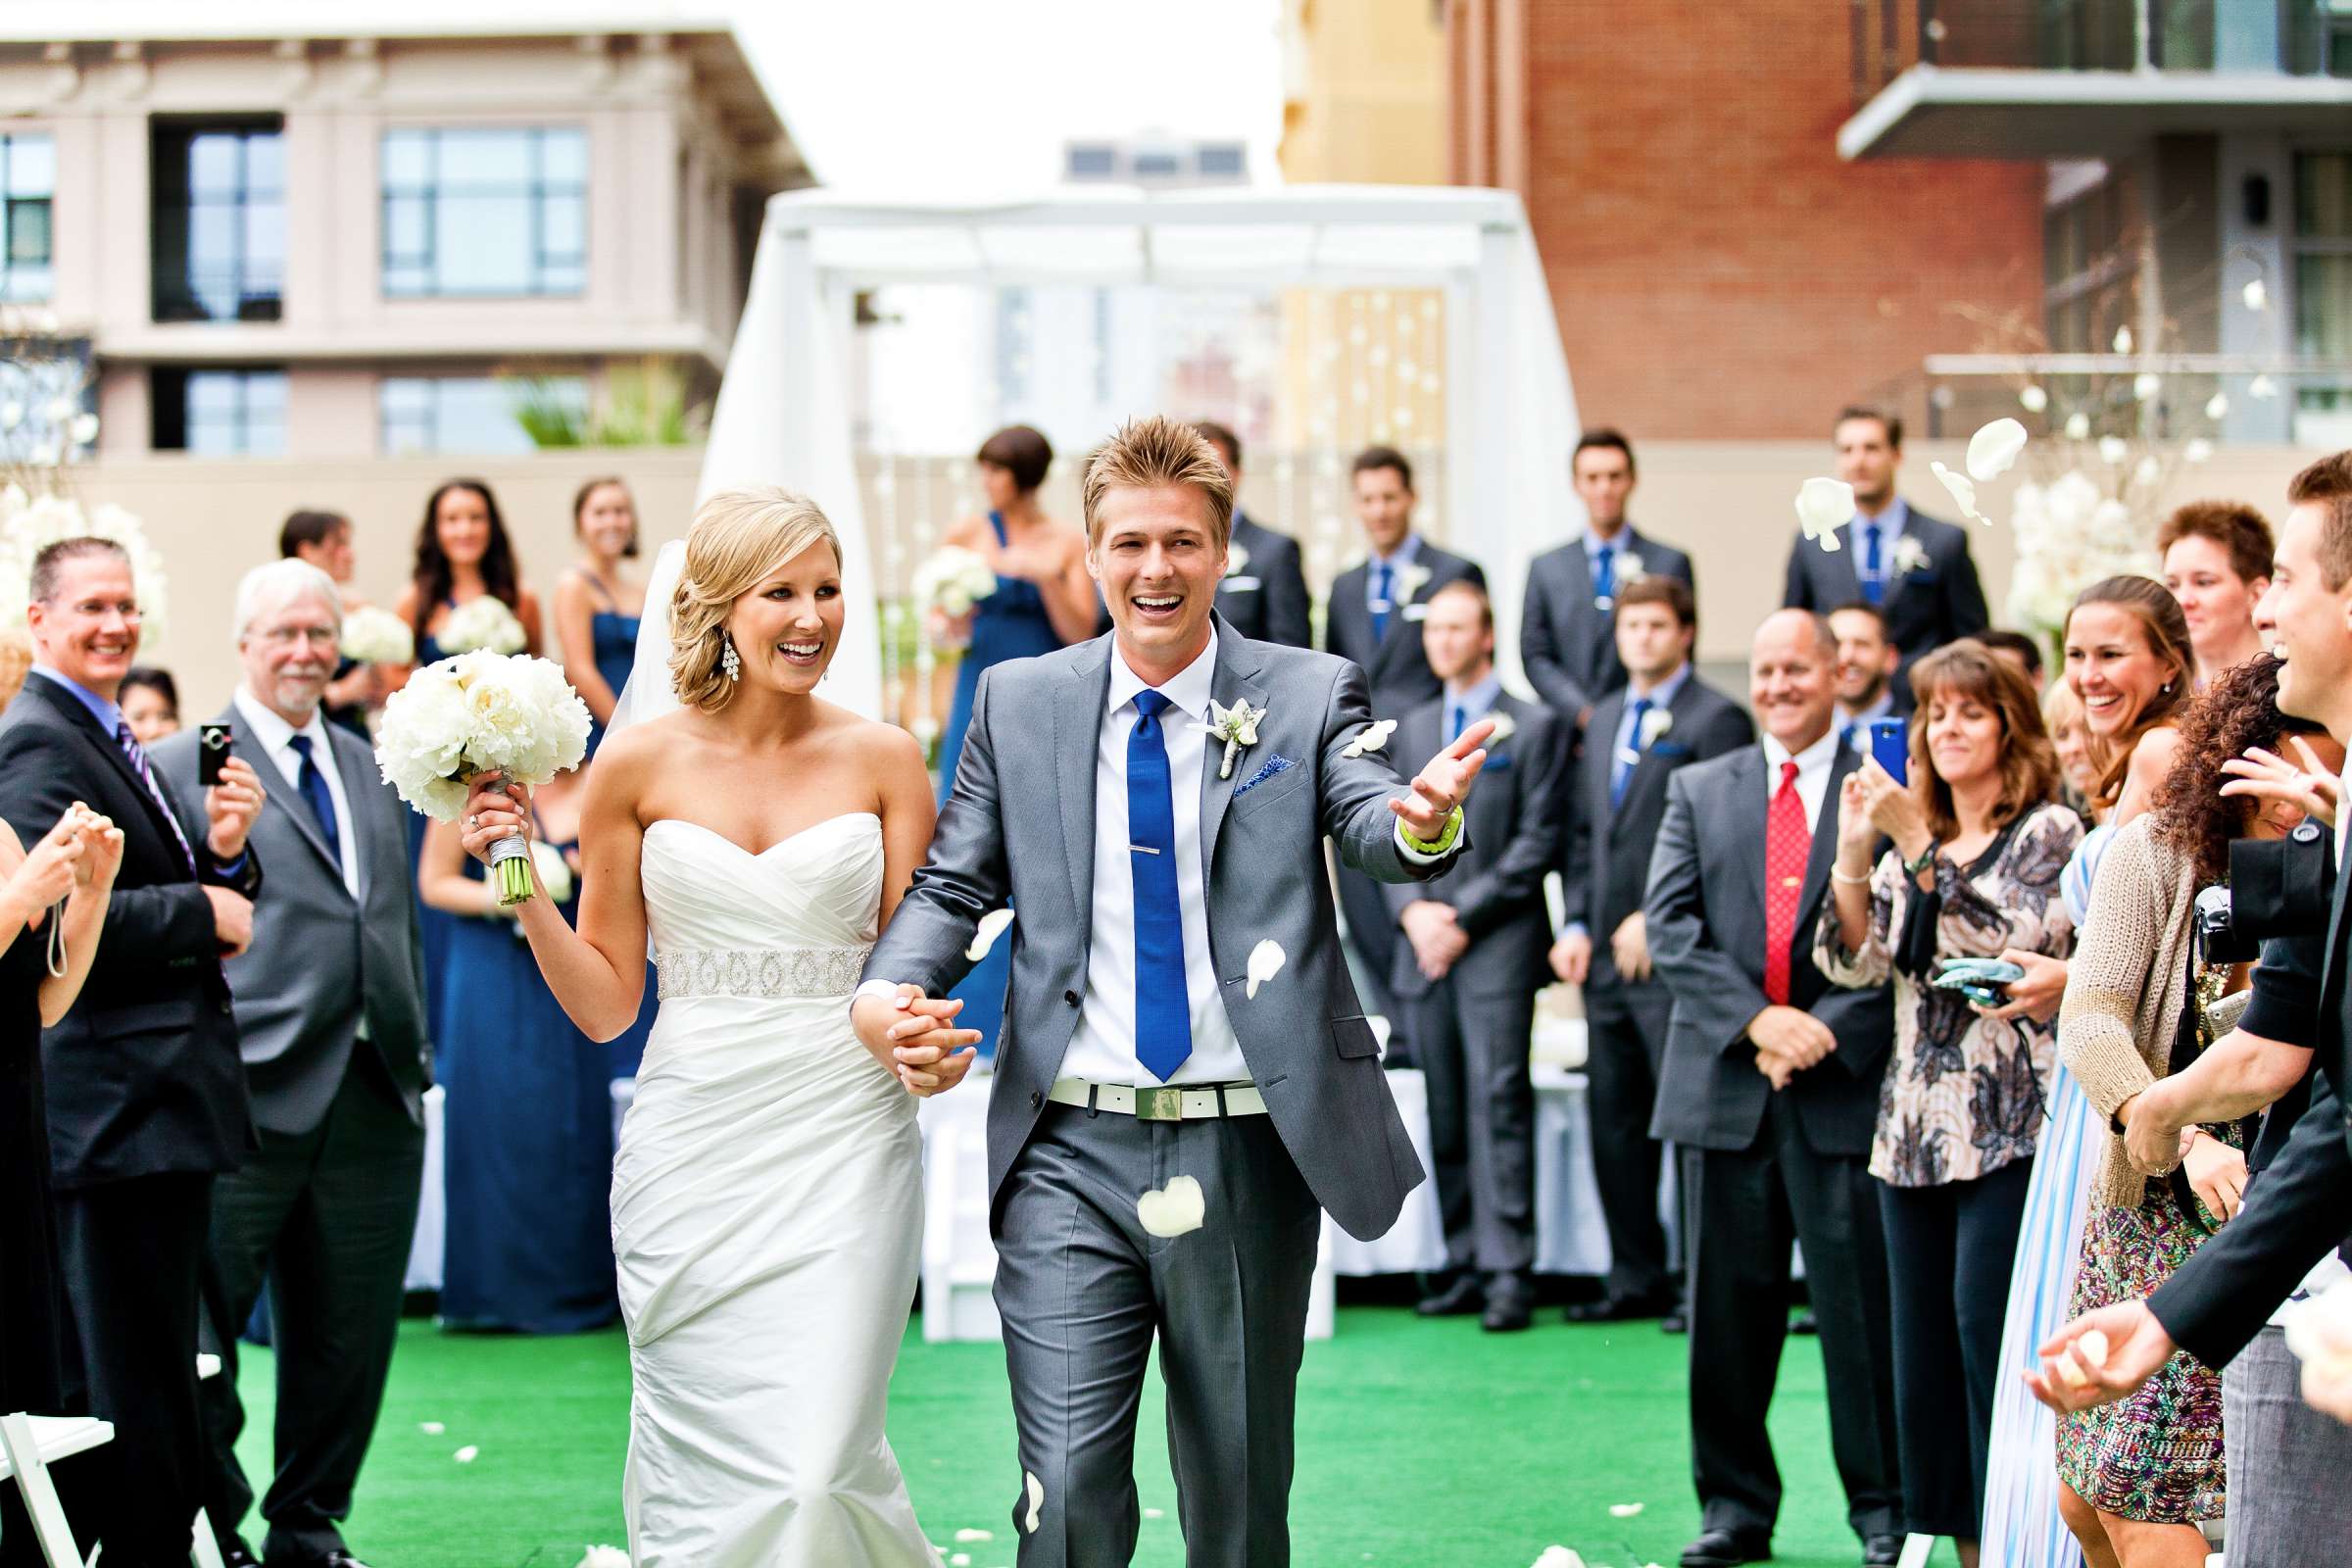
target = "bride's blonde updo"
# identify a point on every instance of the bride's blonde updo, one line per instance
(738, 538)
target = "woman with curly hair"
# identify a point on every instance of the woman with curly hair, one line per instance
(1977, 844)
(2141, 1004)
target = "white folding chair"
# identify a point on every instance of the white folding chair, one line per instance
(29, 1445)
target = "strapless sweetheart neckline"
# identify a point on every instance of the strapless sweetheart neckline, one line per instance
(759, 855)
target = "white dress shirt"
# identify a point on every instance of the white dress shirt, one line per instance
(276, 736)
(1813, 766)
(1104, 1048)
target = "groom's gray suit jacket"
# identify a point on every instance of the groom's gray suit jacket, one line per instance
(1019, 829)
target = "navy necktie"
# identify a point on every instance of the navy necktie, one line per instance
(1383, 582)
(1874, 580)
(1457, 719)
(1163, 1014)
(1605, 576)
(1621, 772)
(313, 785)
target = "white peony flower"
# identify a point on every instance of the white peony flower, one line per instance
(1994, 450)
(2217, 404)
(374, 636)
(1266, 962)
(991, 926)
(2078, 426)
(1173, 1210)
(483, 625)
(1372, 737)
(953, 579)
(472, 713)
(1823, 506)
(2256, 295)
(2033, 399)
(1962, 489)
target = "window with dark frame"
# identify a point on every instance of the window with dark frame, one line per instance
(218, 222)
(220, 410)
(28, 184)
(484, 213)
(2323, 264)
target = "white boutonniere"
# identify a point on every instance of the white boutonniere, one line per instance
(1371, 738)
(1505, 726)
(1910, 555)
(1410, 580)
(1237, 560)
(1654, 723)
(1628, 568)
(1236, 726)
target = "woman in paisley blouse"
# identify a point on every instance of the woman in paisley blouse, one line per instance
(1978, 845)
(2140, 1475)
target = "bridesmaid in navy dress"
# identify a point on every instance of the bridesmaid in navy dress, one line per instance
(598, 607)
(1044, 599)
(462, 554)
(527, 1127)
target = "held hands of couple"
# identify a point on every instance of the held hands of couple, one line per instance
(1442, 785)
(231, 807)
(917, 1034)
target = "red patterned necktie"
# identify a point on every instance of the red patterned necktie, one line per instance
(1787, 845)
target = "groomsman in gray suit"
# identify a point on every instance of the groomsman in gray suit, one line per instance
(1664, 720)
(330, 1015)
(1565, 636)
(1185, 1073)
(1472, 961)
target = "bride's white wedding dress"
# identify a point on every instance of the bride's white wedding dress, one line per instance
(767, 1215)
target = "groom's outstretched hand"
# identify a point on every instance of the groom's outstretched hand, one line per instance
(915, 1038)
(1443, 784)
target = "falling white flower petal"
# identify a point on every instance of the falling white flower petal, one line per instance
(1155, 1513)
(2262, 386)
(1559, 1557)
(2084, 1357)
(84, 429)
(468, 1454)
(2197, 450)
(604, 1558)
(1372, 737)
(1963, 490)
(991, 926)
(1037, 1499)
(431, 1428)
(2113, 450)
(966, 1537)
(2033, 399)
(2145, 385)
(1625, 1511)
(2256, 295)
(1993, 449)
(959, 1559)
(2147, 471)
(1266, 962)
(1823, 506)
(2217, 404)
(2123, 340)
(1173, 1210)
(2078, 426)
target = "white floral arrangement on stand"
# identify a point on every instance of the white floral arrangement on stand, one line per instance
(482, 625)
(2070, 534)
(28, 524)
(478, 713)
(372, 636)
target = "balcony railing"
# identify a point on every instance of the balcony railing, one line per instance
(2295, 38)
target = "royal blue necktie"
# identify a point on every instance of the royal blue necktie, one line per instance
(1163, 1015)
(1874, 585)
(1605, 576)
(1621, 773)
(1457, 719)
(313, 785)
(1382, 582)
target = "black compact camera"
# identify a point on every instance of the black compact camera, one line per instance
(2219, 938)
(214, 743)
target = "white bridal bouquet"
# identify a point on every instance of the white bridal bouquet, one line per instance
(953, 579)
(372, 636)
(474, 714)
(482, 625)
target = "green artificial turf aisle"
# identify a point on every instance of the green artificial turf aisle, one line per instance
(1419, 1443)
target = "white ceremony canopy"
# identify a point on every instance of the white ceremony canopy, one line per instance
(783, 415)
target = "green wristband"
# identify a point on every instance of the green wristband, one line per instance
(1454, 830)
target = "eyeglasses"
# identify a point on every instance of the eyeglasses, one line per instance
(288, 636)
(95, 609)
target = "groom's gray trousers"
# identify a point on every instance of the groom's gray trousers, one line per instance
(1082, 1288)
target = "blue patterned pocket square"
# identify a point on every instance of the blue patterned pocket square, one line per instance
(1278, 763)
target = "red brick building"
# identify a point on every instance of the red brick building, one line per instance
(1719, 270)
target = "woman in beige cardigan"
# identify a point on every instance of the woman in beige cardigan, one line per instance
(2139, 1475)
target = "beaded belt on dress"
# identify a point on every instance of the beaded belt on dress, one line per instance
(766, 973)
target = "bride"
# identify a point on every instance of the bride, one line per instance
(766, 1192)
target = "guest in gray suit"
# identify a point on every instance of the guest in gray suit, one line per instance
(330, 1018)
(1664, 719)
(1915, 569)
(1264, 595)
(1180, 1026)
(1472, 961)
(1565, 638)
(1374, 618)
(1772, 1085)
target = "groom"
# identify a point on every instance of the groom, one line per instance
(1179, 1009)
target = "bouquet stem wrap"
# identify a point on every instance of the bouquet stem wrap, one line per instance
(511, 866)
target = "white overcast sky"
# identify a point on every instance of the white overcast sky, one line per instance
(976, 97)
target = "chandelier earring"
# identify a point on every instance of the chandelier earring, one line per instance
(729, 659)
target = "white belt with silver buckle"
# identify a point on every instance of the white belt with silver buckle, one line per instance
(1173, 1103)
